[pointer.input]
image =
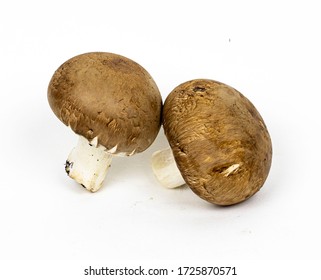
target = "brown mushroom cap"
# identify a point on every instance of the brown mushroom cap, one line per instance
(219, 140)
(107, 96)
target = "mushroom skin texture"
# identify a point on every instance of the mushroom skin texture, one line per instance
(110, 101)
(220, 143)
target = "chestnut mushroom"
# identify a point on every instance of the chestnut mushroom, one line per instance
(220, 146)
(112, 103)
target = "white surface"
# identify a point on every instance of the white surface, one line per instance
(268, 50)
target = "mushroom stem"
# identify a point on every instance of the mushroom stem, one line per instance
(88, 163)
(165, 169)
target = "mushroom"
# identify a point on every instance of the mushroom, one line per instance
(220, 146)
(112, 103)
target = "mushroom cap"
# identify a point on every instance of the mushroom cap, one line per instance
(110, 97)
(219, 141)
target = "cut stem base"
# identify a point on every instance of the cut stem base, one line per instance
(165, 169)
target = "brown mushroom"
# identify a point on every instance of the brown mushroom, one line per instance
(219, 141)
(112, 103)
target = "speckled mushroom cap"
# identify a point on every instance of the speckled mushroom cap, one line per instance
(107, 96)
(219, 140)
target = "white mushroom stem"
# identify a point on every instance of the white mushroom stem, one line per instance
(165, 169)
(88, 163)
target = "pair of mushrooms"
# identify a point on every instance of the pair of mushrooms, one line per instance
(219, 144)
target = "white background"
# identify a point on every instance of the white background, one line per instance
(268, 50)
